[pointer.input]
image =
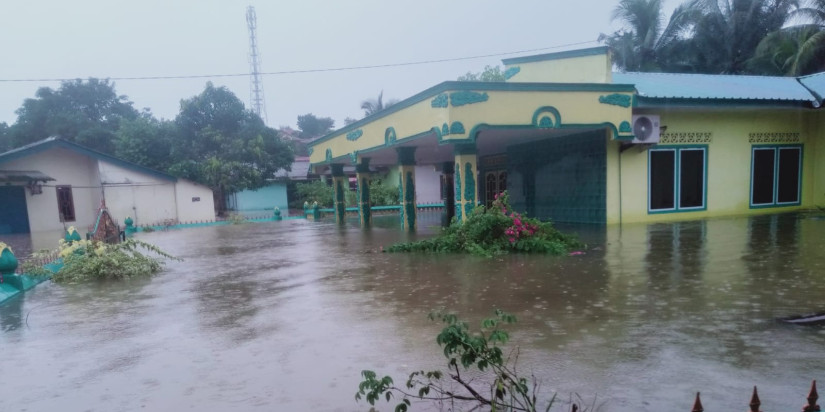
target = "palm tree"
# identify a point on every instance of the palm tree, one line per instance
(795, 50)
(726, 33)
(644, 45)
(372, 106)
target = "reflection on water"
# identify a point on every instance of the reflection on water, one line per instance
(285, 316)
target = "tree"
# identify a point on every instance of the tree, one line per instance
(349, 120)
(726, 33)
(5, 137)
(87, 112)
(146, 141)
(482, 376)
(224, 146)
(489, 74)
(795, 50)
(312, 127)
(644, 45)
(372, 106)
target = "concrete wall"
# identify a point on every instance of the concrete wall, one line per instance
(146, 199)
(585, 69)
(68, 168)
(194, 201)
(427, 185)
(267, 197)
(728, 163)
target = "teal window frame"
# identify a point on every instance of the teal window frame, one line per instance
(677, 168)
(775, 201)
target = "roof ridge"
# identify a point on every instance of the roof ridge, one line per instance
(713, 75)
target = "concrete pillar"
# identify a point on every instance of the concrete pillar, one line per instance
(362, 174)
(339, 187)
(448, 191)
(466, 187)
(406, 187)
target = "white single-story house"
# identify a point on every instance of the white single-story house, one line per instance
(54, 183)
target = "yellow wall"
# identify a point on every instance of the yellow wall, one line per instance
(586, 69)
(816, 127)
(729, 163)
(501, 108)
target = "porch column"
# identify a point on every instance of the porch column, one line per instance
(466, 170)
(362, 175)
(339, 184)
(406, 187)
(448, 191)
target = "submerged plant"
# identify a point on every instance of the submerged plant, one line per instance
(480, 376)
(495, 230)
(85, 260)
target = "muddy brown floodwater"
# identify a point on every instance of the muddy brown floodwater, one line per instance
(285, 315)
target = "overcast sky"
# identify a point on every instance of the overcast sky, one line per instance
(111, 38)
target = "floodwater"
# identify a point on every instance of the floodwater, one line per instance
(285, 315)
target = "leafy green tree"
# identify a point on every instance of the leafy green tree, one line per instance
(489, 74)
(87, 112)
(224, 146)
(372, 106)
(5, 137)
(311, 126)
(146, 141)
(644, 44)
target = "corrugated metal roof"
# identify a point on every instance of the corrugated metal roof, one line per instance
(10, 176)
(816, 83)
(714, 86)
(299, 170)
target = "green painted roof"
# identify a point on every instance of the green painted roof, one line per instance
(717, 87)
(592, 51)
(55, 142)
(816, 84)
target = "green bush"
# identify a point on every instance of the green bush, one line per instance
(495, 231)
(383, 194)
(93, 260)
(316, 191)
(481, 377)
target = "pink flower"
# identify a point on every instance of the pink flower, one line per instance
(512, 240)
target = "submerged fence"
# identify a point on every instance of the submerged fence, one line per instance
(755, 403)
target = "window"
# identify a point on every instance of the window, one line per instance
(677, 179)
(776, 174)
(65, 203)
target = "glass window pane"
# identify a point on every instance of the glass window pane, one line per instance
(662, 165)
(763, 174)
(788, 179)
(691, 178)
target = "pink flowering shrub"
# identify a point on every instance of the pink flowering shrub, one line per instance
(493, 231)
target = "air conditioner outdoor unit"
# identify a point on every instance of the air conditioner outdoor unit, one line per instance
(646, 129)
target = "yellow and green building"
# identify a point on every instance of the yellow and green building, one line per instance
(572, 141)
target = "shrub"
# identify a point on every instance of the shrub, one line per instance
(382, 194)
(316, 191)
(492, 383)
(494, 231)
(93, 260)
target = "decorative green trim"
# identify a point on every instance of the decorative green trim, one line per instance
(593, 51)
(486, 86)
(409, 199)
(511, 71)
(469, 189)
(406, 155)
(671, 103)
(390, 136)
(546, 122)
(625, 127)
(467, 97)
(354, 135)
(457, 128)
(311, 150)
(353, 158)
(545, 111)
(439, 101)
(457, 190)
(445, 130)
(337, 169)
(623, 100)
(328, 155)
(364, 195)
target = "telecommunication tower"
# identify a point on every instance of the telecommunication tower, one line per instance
(256, 87)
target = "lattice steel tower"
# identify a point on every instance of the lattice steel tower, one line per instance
(256, 87)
